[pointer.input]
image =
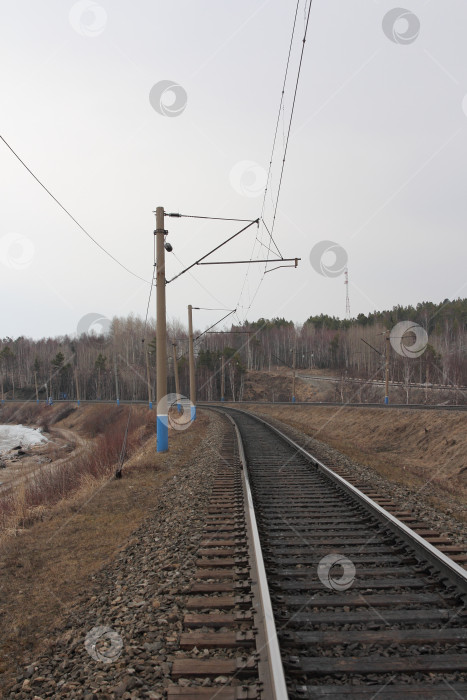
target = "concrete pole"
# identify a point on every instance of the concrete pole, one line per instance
(149, 379)
(77, 387)
(386, 397)
(427, 375)
(35, 382)
(116, 382)
(293, 374)
(223, 379)
(177, 378)
(161, 338)
(191, 355)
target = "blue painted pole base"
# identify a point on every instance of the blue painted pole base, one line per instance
(78, 403)
(193, 413)
(386, 399)
(222, 398)
(150, 405)
(162, 433)
(37, 400)
(179, 407)
(293, 399)
(118, 402)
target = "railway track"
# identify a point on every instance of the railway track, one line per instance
(382, 406)
(308, 588)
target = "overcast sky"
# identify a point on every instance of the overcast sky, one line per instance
(376, 161)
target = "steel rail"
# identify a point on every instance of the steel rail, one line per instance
(339, 404)
(141, 402)
(448, 567)
(271, 670)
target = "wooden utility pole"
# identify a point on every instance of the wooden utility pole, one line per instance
(177, 378)
(191, 357)
(161, 337)
(386, 397)
(35, 382)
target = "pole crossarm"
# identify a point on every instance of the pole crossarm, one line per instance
(215, 324)
(249, 262)
(371, 346)
(256, 221)
(212, 218)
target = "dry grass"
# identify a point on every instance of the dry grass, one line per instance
(405, 446)
(45, 571)
(97, 460)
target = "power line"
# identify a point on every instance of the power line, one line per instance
(71, 216)
(151, 288)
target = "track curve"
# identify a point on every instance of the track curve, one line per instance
(363, 606)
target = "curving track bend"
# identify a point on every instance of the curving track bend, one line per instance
(363, 607)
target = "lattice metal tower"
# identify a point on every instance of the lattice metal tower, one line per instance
(347, 300)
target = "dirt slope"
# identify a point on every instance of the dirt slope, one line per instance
(411, 447)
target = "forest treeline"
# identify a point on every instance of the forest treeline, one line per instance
(119, 362)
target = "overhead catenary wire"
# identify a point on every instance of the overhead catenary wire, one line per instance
(291, 116)
(268, 178)
(104, 250)
(279, 116)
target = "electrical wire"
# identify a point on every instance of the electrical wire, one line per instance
(71, 216)
(150, 289)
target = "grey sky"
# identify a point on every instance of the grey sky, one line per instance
(376, 160)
